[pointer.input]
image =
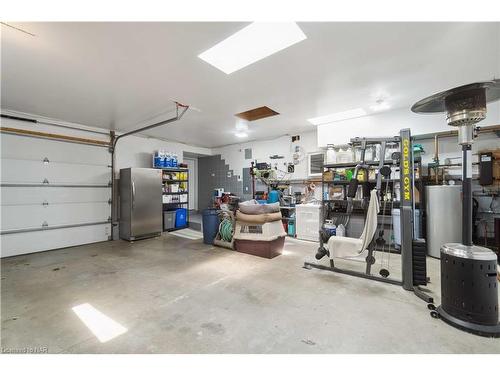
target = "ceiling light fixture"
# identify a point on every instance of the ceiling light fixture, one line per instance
(339, 116)
(241, 134)
(380, 105)
(252, 43)
(241, 126)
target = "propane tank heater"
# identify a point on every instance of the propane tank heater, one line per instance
(469, 287)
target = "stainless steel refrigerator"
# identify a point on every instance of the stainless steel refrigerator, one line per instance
(140, 203)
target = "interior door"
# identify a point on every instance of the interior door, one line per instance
(146, 201)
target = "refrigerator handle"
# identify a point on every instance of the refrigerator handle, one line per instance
(133, 194)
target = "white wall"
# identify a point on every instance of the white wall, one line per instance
(234, 155)
(134, 151)
(389, 123)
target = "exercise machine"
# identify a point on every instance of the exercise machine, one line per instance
(413, 261)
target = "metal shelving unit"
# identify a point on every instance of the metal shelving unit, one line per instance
(172, 206)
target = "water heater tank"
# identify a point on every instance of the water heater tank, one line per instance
(443, 215)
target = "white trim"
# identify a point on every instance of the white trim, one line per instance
(193, 177)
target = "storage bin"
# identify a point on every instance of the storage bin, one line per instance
(168, 220)
(180, 217)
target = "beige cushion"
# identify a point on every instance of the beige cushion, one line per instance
(258, 219)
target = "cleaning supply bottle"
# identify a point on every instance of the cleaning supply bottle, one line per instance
(168, 160)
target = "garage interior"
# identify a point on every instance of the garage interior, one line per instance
(243, 187)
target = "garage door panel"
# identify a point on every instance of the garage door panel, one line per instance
(84, 173)
(35, 172)
(55, 151)
(14, 195)
(33, 216)
(23, 243)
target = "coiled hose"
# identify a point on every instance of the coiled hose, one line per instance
(226, 229)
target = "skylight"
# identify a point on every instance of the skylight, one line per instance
(339, 116)
(252, 43)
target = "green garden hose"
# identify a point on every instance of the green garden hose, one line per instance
(226, 229)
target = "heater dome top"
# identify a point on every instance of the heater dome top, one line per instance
(440, 102)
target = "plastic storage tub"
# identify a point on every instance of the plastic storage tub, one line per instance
(168, 220)
(180, 217)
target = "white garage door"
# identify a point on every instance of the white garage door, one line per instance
(54, 194)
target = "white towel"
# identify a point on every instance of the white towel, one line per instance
(346, 247)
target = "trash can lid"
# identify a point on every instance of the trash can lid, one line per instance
(468, 252)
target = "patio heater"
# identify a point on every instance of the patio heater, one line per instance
(469, 286)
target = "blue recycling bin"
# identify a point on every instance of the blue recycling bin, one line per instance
(180, 217)
(210, 223)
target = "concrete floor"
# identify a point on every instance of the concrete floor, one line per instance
(179, 296)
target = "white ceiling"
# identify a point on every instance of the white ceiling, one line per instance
(115, 75)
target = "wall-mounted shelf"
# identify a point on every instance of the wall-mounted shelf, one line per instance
(355, 163)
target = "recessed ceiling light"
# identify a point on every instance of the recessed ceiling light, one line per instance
(241, 134)
(251, 44)
(380, 105)
(339, 116)
(241, 126)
